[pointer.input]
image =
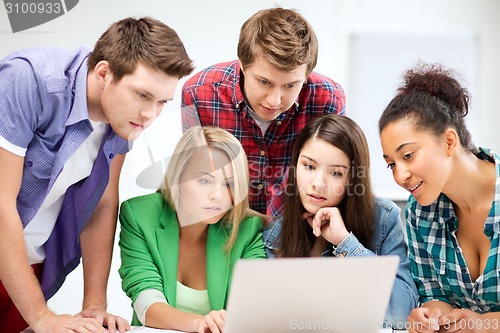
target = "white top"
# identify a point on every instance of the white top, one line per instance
(11, 147)
(264, 125)
(192, 300)
(77, 167)
(188, 300)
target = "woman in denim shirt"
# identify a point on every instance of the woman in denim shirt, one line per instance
(330, 209)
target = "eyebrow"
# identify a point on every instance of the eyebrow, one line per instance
(260, 77)
(332, 165)
(399, 148)
(204, 173)
(150, 94)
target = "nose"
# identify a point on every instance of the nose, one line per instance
(319, 182)
(274, 97)
(216, 192)
(151, 111)
(401, 175)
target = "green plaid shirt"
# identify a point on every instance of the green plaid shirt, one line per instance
(436, 260)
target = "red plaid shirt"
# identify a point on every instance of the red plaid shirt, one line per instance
(213, 97)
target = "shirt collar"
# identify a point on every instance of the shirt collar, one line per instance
(442, 212)
(493, 221)
(238, 98)
(79, 110)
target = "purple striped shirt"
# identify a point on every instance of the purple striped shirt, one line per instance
(43, 108)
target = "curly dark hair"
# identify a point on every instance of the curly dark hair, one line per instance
(433, 100)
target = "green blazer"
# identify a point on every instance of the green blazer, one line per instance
(149, 248)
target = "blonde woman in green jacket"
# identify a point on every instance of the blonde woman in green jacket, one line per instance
(179, 247)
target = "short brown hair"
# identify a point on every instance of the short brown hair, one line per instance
(146, 40)
(282, 36)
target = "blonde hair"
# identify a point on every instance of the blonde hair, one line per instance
(282, 36)
(191, 143)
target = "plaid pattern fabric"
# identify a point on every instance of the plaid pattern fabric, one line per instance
(214, 97)
(276, 206)
(437, 263)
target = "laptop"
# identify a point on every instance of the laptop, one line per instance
(340, 295)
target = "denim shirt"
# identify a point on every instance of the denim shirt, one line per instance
(388, 239)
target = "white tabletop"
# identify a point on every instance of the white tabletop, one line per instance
(142, 329)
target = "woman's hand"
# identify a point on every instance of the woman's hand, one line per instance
(468, 321)
(212, 322)
(424, 320)
(329, 223)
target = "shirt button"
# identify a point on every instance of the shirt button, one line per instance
(278, 123)
(237, 106)
(260, 186)
(29, 164)
(262, 153)
(111, 155)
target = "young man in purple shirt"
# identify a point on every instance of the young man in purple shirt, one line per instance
(66, 120)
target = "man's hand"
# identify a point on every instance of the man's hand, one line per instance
(112, 322)
(52, 323)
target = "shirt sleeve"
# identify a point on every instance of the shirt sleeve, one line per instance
(351, 247)
(337, 104)
(255, 245)
(145, 299)
(404, 293)
(335, 99)
(276, 205)
(5, 144)
(421, 266)
(189, 111)
(138, 270)
(271, 236)
(20, 104)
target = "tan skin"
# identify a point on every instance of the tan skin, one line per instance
(470, 184)
(474, 243)
(192, 263)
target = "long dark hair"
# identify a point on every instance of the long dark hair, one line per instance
(433, 100)
(357, 206)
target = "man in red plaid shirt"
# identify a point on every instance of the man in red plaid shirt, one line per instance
(266, 97)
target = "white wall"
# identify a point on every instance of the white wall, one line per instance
(210, 30)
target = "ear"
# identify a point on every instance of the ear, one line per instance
(102, 73)
(452, 141)
(241, 67)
